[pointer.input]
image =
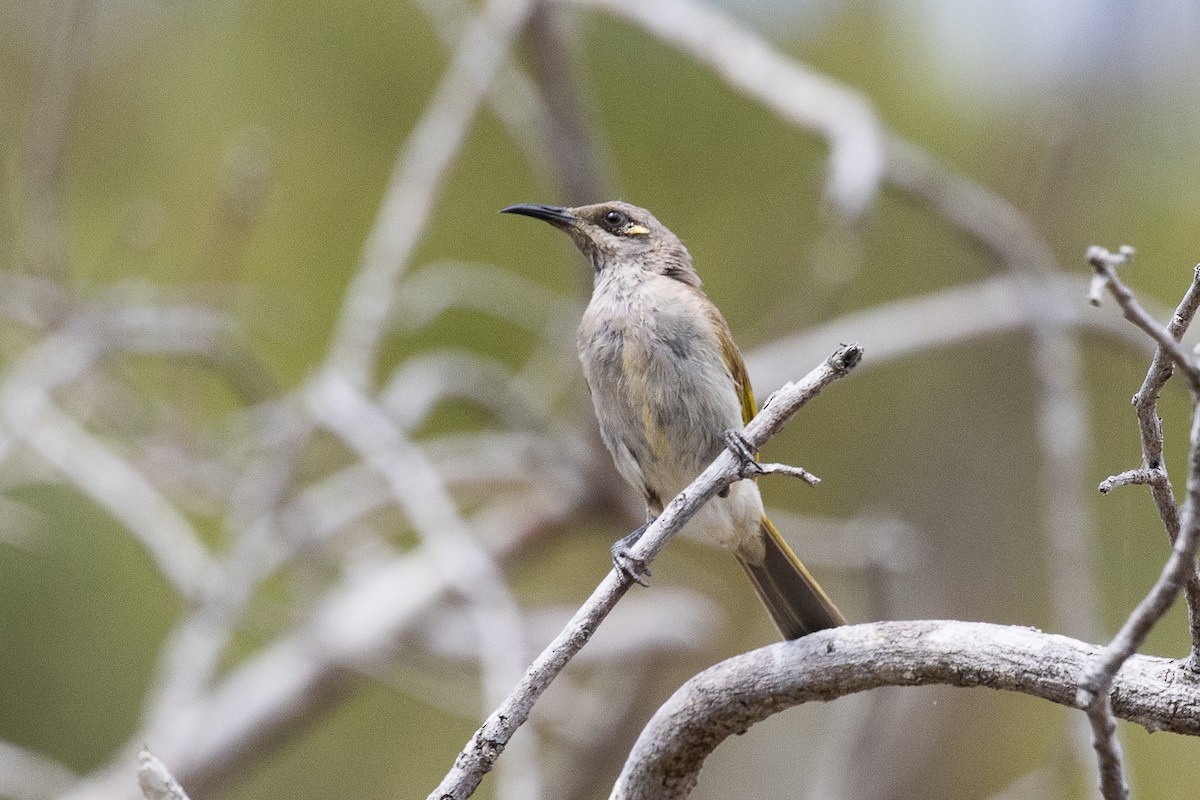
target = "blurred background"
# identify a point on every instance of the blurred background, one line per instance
(298, 469)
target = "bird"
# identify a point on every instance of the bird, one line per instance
(670, 387)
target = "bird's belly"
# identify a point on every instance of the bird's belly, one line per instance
(661, 441)
(664, 402)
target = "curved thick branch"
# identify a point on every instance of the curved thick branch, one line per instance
(1157, 693)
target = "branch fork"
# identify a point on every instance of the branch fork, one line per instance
(751, 467)
(1094, 692)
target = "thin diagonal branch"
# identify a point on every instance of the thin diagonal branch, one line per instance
(485, 747)
(1109, 755)
(1101, 671)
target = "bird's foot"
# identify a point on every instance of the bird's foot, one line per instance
(749, 466)
(628, 565)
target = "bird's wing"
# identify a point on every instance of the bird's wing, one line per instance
(736, 365)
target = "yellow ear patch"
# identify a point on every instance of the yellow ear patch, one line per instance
(637, 230)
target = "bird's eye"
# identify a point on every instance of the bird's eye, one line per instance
(615, 219)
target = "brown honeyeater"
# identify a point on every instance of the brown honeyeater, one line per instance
(669, 384)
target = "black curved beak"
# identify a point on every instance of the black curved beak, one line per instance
(555, 215)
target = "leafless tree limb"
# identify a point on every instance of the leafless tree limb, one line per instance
(1109, 755)
(1154, 469)
(730, 697)
(1105, 264)
(800, 473)
(205, 723)
(1098, 676)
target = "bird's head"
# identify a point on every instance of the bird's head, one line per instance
(617, 235)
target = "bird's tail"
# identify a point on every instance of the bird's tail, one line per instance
(794, 599)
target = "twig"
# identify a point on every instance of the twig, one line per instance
(1169, 356)
(1105, 264)
(1142, 475)
(799, 473)
(1109, 755)
(730, 697)
(485, 747)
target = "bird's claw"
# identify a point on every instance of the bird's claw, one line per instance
(628, 565)
(737, 444)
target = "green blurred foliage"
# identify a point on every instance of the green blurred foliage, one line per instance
(325, 94)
